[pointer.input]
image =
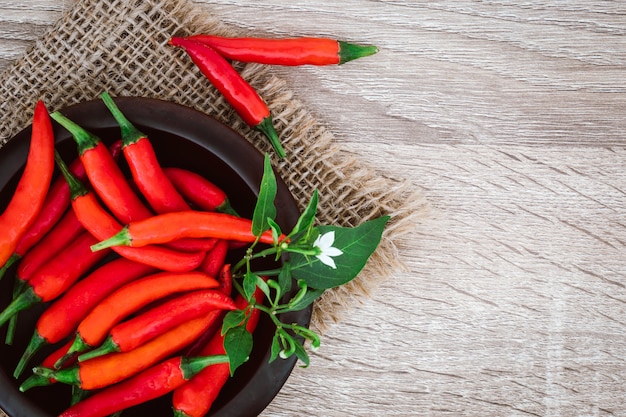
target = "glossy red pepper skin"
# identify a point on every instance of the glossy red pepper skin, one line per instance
(155, 382)
(237, 91)
(169, 227)
(102, 225)
(215, 258)
(136, 331)
(32, 188)
(195, 397)
(199, 190)
(48, 362)
(286, 51)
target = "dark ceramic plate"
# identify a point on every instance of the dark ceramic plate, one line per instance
(181, 137)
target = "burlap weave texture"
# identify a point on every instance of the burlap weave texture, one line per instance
(121, 46)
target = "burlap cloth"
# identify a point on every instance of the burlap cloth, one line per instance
(121, 46)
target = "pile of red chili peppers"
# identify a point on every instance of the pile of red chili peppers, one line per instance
(160, 283)
(211, 55)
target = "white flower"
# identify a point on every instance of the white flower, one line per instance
(325, 244)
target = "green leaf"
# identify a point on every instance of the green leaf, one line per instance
(233, 319)
(307, 217)
(265, 208)
(249, 285)
(276, 232)
(238, 345)
(275, 349)
(284, 278)
(356, 243)
(302, 355)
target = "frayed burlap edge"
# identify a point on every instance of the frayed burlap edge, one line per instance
(350, 192)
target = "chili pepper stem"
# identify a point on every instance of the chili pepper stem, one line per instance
(122, 238)
(77, 346)
(192, 366)
(130, 134)
(84, 139)
(68, 376)
(14, 258)
(36, 342)
(18, 287)
(350, 51)
(267, 128)
(225, 207)
(22, 302)
(180, 413)
(34, 381)
(108, 346)
(76, 187)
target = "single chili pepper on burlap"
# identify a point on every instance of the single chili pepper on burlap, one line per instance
(56, 276)
(148, 174)
(106, 370)
(102, 225)
(164, 228)
(138, 330)
(41, 381)
(237, 91)
(286, 51)
(195, 397)
(152, 383)
(104, 173)
(62, 317)
(199, 190)
(32, 187)
(94, 328)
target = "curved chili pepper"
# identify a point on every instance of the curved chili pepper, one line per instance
(225, 279)
(94, 328)
(106, 370)
(164, 228)
(56, 276)
(290, 51)
(26, 202)
(199, 190)
(104, 174)
(195, 397)
(148, 385)
(215, 258)
(40, 381)
(61, 318)
(102, 225)
(132, 333)
(148, 174)
(241, 95)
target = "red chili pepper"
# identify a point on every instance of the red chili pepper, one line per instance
(132, 333)
(241, 95)
(225, 279)
(215, 258)
(104, 174)
(199, 190)
(148, 175)
(94, 328)
(26, 202)
(56, 276)
(164, 228)
(106, 370)
(195, 397)
(290, 51)
(40, 381)
(102, 225)
(148, 385)
(61, 318)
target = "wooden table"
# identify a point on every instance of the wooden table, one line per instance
(510, 118)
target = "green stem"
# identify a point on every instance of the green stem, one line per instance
(121, 238)
(18, 287)
(192, 366)
(84, 139)
(267, 128)
(108, 346)
(350, 51)
(130, 134)
(25, 300)
(76, 187)
(78, 346)
(69, 376)
(14, 258)
(34, 381)
(36, 342)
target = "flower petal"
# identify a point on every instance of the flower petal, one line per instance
(327, 260)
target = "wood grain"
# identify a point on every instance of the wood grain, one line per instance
(509, 117)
